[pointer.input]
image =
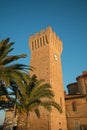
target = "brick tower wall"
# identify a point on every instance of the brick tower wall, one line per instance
(46, 49)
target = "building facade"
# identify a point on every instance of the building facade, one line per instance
(76, 104)
(46, 49)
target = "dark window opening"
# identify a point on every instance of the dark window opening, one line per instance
(46, 39)
(43, 41)
(74, 107)
(35, 44)
(40, 41)
(32, 46)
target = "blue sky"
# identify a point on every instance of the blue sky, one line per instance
(68, 18)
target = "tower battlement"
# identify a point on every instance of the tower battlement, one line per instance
(45, 37)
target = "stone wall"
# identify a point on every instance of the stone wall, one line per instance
(46, 49)
(76, 110)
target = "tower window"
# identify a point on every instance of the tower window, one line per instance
(32, 46)
(46, 39)
(35, 44)
(40, 41)
(43, 41)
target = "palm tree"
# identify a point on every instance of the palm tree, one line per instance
(36, 94)
(10, 72)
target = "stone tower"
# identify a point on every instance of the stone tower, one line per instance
(46, 49)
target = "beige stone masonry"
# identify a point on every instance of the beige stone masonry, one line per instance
(46, 49)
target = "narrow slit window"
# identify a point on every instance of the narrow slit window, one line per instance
(32, 46)
(43, 41)
(40, 41)
(46, 39)
(35, 44)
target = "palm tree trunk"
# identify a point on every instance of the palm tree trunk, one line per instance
(23, 121)
(27, 122)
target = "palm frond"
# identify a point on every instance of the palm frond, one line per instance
(10, 59)
(7, 50)
(42, 91)
(18, 67)
(3, 45)
(48, 105)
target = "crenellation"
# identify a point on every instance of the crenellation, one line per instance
(36, 34)
(42, 32)
(41, 39)
(49, 30)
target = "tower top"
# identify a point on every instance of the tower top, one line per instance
(45, 37)
(48, 30)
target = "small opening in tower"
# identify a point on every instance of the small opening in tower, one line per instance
(46, 39)
(61, 101)
(59, 123)
(32, 46)
(40, 41)
(43, 41)
(35, 44)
